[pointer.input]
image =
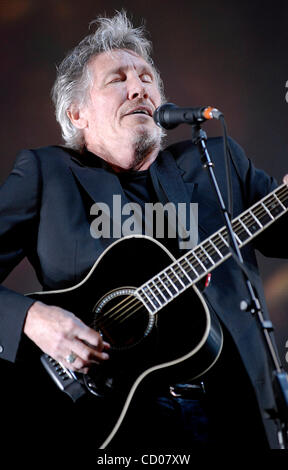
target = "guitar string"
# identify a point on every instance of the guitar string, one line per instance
(258, 210)
(173, 277)
(151, 301)
(141, 304)
(159, 284)
(179, 271)
(135, 301)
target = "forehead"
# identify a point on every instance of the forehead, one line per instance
(115, 60)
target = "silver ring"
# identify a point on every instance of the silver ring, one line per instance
(71, 357)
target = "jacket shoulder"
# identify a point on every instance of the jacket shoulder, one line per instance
(186, 153)
(60, 155)
(179, 149)
(51, 153)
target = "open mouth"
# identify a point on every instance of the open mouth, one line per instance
(139, 111)
(143, 111)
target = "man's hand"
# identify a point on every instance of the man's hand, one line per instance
(59, 333)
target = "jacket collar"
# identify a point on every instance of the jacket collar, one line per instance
(168, 181)
(101, 183)
(165, 174)
(167, 178)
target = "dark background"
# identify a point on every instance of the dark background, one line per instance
(232, 55)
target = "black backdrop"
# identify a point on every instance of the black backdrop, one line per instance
(232, 55)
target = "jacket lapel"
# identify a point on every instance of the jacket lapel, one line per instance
(167, 177)
(98, 183)
(102, 186)
(169, 185)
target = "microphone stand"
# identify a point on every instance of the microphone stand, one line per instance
(280, 378)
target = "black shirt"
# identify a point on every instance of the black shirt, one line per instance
(138, 188)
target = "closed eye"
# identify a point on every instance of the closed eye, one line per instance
(117, 79)
(146, 78)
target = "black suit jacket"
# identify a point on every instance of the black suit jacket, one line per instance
(45, 215)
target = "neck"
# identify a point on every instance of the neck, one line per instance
(127, 159)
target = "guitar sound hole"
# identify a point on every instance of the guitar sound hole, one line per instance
(122, 318)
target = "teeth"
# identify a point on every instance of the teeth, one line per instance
(140, 111)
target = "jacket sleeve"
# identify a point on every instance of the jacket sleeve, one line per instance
(19, 203)
(256, 184)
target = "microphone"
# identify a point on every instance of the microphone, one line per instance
(169, 115)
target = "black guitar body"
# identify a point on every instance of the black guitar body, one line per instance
(177, 344)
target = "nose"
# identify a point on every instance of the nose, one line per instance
(136, 88)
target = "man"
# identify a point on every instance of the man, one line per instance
(105, 94)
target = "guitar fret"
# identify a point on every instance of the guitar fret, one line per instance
(189, 272)
(238, 229)
(274, 207)
(284, 192)
(191, 265)
(245, 227)
(207, 257)
(175, 274)
(208, 248)
(166, 289)
(169, 283)
(174, 285)
(251, 225)
(153, 294)
(259, 212)
(256, 219)
(197, 265)
(278, 200)
(194, 265)
(183, 272)
(149, 304)
(238, 239)
(242, 234)
(217, 242)
(216, 249)
(226, 246)
(160, 291)
(202, 267)
(267, 216)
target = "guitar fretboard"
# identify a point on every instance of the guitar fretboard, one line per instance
(206, 256)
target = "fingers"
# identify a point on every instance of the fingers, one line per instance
(285, 179)
(85, 357)
(90, 337)
(59, 333)
(78, 365)
(88, 352)
(89, 348)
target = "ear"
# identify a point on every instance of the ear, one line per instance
(77, 117)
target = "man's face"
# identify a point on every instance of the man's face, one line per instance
(119, 109)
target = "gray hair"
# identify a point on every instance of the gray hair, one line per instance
(73, 78)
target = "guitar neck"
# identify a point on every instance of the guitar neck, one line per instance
(197, 263)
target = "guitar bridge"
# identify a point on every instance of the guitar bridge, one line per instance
(66, 380)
